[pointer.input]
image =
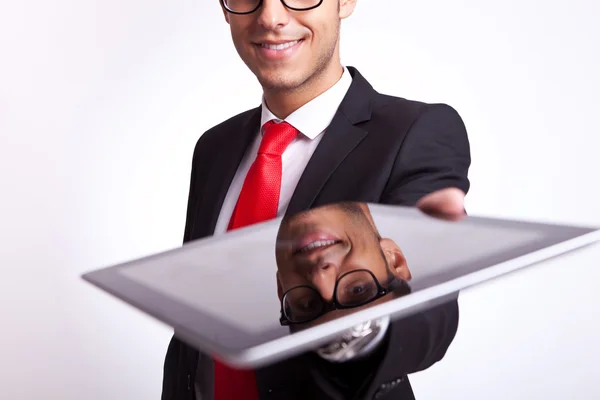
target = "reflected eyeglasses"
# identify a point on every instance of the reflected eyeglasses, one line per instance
(303, 304)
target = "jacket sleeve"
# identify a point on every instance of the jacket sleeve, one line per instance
(193, 194)
(435, 155)
(174, 357)
(416, 342)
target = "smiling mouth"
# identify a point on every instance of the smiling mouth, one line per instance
(316, 245)
(279, 46)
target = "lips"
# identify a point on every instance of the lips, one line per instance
(278, 51)
(279, 46)
(314, 242)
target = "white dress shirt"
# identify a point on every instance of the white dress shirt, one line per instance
(311, 120)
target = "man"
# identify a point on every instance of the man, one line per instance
(322, 135)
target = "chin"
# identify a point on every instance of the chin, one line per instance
(279, 78)
(279, 86)
(278, 81)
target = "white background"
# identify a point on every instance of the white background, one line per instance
(101, 103)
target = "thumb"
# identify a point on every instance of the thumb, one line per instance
(448, 204)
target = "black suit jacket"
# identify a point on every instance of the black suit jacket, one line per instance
(378, 149)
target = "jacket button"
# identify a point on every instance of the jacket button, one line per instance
(385, 388)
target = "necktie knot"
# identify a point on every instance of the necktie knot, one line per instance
(276, 137)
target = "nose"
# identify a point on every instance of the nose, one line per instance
(323, 278)
(273, 15)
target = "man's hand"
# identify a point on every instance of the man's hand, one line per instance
(448, 204)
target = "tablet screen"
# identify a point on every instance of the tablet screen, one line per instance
(326, 262)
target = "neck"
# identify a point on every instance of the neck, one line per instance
(284, 103)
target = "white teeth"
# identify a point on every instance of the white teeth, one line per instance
(318, 243)
(281, 46)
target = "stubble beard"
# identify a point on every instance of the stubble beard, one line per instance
(279, 83)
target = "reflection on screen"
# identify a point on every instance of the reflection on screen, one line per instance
(324, 263)
(332, 260)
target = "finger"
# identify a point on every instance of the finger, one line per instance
(445, 203)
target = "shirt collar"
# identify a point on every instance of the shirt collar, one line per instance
(315, 116)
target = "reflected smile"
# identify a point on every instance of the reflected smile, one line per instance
(316, 245)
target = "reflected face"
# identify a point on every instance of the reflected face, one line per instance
(327, 246)
(285, 48)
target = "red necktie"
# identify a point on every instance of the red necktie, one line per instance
(258, 202)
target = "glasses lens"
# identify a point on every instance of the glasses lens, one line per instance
(302, 304)
(247, 6)
(302, 4)
(356, 288)
(241, 6)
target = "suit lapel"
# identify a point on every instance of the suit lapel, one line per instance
(339, 140)
(227, 158)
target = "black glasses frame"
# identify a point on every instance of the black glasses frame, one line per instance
(260, 2)
(334, 304)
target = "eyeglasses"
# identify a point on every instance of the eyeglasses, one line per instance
(249, 6)
(303, 304)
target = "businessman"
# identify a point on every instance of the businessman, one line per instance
(321, 135)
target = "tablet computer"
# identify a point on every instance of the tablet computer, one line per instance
(266, 292)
